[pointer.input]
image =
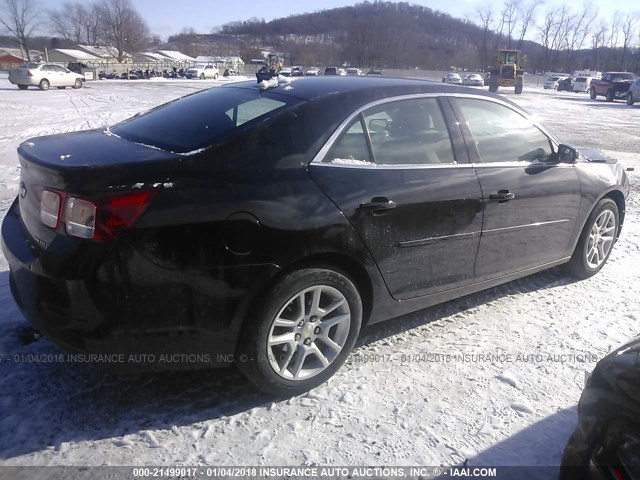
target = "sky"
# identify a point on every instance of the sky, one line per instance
(166, 17)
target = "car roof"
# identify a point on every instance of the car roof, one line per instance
(309, 88)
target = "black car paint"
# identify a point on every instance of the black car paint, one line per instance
(609, 408)
(227, 221)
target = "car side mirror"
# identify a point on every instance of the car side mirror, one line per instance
(567, 154)
(378, 125)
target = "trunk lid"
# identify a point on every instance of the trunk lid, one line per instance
(85, 164)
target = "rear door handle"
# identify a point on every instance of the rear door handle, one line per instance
(378, 205)
(502, 196)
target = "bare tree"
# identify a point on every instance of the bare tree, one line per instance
(526, 12)
(580, 26)
(628, 27)
(21, 18)
(124, 29)
(510, 18)
(77, 23)
(597, 40)
(485, 14)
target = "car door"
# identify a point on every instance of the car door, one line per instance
(530, 201)
(399, 172)
(49, 72)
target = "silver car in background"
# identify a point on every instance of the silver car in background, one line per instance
(43, 76)
(633, 95)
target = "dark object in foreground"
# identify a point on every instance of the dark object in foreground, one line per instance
(606, 443)
(265, 225)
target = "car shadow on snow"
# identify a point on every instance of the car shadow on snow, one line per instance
(539, 446)
(46, 403)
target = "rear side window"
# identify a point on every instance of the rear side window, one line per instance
(502, 134)
(195, 121)
(405, 132)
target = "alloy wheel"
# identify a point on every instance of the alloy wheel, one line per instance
(600, 239)
(309, 332)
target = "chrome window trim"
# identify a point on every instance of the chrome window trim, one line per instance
(317, 159)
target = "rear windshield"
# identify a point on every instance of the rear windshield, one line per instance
(195, 121)
(623, 76)
(581, 79)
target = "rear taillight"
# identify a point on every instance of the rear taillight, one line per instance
(119, 212)
(97, 219)
(50, 208)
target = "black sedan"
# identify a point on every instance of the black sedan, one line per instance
(265, 225)
(566, 84)
(606, 444)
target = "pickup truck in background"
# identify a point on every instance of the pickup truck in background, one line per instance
(612, 85)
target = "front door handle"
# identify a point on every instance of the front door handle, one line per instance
(378, 205)
(502, 196)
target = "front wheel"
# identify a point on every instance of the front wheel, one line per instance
(77, 84)
(629, 98)
(301, 333)
(592, 93)
(215, 77)
(610, 96)
(596, 240)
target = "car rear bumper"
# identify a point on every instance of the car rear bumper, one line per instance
(177, 321)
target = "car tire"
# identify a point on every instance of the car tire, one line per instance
(23, 87)
(44, 84)
(202, 76)
(592, 93)
(274, 367)
(610, 96)
(629, 98)
(77, 84)
(596, 240)
(215, 77)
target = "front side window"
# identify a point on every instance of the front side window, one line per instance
(502, 134)
(195, 121)
(405, 132)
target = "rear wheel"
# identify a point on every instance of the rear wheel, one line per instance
(215, 77)
(592, 93)
(301, 333)
(610, 96)
(596, 240)
(519, 85)
(629, 98)
(202, 76)
(23, 87)
(77, 83)
(44, 84)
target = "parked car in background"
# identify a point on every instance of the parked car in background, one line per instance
(342, 72)
(297, 71)
(633, 95)
(354, 72)
(453, 78)
(285, 72)
(606, 443)
(612, 85)
(312, 72)
(176, 232)
(551, 83)
(566, 84)
(582, 84)
(43, 76)
(374, 72)
(331, 71)
(202, 72)
(474, 80)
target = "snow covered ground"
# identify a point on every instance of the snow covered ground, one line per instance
(510, 401)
